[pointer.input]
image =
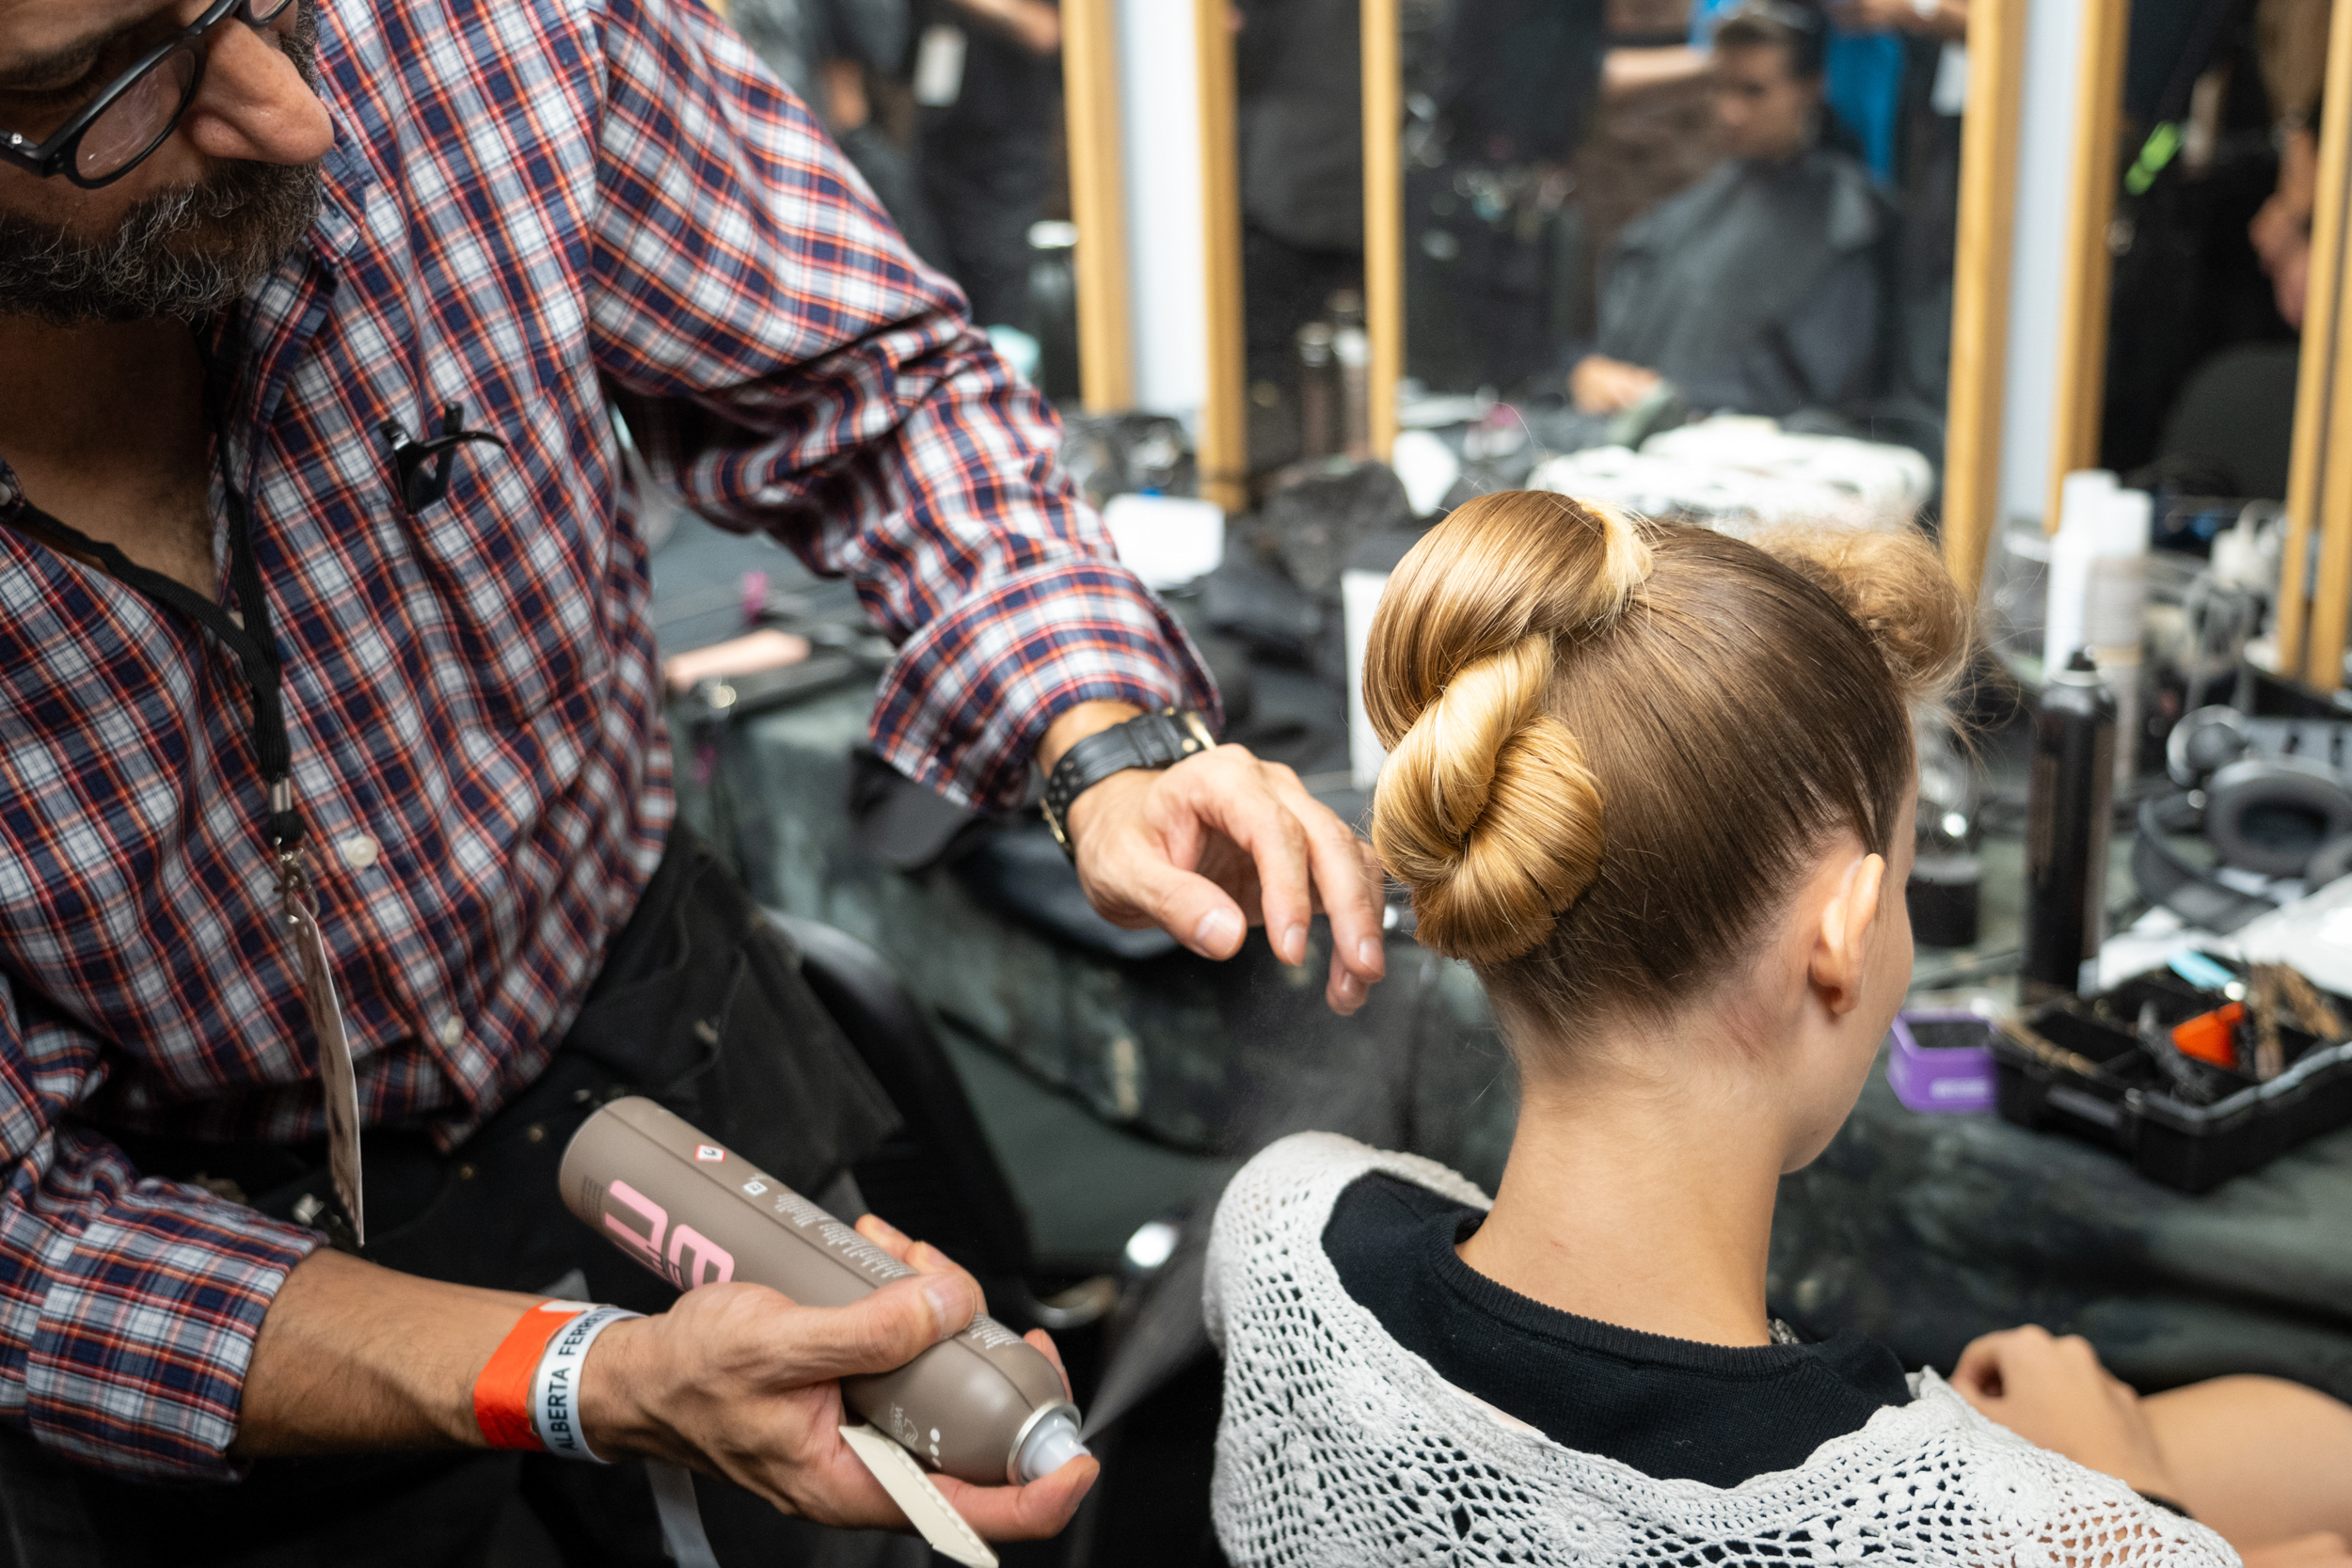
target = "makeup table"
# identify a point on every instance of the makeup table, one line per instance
(1922, 1231)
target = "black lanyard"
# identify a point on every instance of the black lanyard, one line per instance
(252, 642)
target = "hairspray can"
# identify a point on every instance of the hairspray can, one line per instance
(1318, 393)
(2069, 812)
(983, 1405)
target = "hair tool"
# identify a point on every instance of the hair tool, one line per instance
(984, 1405)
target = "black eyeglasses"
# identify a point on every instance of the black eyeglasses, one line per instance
(114, 132)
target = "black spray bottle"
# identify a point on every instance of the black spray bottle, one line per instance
(2069, 808)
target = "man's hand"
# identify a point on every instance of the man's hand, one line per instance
(1945, 19)
(2054, 1393)
(1031, 23)
(1601, 385)
(738, 1381)
(1217, 844)
(734, 1381)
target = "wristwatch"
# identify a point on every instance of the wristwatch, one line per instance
(1150, 740)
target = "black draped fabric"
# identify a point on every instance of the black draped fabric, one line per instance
(1671, 1408)
(1761, 289)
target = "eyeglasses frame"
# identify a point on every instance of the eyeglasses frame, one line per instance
(57, 155)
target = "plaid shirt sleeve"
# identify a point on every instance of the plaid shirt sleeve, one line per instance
(128, 1307)
(788, 365)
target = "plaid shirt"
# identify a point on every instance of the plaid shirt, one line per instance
(530, 205)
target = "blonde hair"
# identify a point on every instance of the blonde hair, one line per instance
(1613, 742)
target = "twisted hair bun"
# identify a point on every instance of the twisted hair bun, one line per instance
(1486, 809)
(1615, 745)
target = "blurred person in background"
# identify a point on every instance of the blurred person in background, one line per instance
(822, 50)
(2291, 48)
(988, 92)
(1761, 289)
(1871, 66)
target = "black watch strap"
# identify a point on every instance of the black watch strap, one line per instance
(1150, 740)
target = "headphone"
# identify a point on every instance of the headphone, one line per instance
(2277, 791)
(2277, 802)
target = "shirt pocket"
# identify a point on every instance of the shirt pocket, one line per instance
(516, 564)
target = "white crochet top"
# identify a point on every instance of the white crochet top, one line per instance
(1340, 1446)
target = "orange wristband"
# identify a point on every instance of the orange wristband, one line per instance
(502, 1394)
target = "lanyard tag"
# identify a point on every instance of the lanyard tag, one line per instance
(299, 913)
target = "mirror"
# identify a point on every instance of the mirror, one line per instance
(1298, 117)
(2212, 182)
(1619, 223)
(952, 111)
(2203, 344)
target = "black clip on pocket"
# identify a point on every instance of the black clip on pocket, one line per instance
(424, 466)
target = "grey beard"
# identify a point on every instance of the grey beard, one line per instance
(184, 254)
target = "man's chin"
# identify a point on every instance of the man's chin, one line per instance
(185, 254)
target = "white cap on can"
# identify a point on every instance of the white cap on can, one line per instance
(1053, 1444)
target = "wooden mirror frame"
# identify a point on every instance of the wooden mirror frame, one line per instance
(2313, 616)
(1984, 255)
(1090, 68)
(1384, 213)
(1096, 139)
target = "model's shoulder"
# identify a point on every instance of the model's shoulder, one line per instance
(1315, 1167)
(1267, 1234)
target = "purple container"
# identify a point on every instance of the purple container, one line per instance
(1941, 1061)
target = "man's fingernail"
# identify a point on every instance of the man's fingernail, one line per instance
(951, 1304)
(1370, 954)
(1294, 943)
(1351, 989)
(1219, 930)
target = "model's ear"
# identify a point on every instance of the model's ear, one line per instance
(1843, 942)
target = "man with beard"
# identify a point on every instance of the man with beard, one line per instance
(325, 656)
(1761, 289)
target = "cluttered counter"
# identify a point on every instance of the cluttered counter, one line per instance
(1921, 1229)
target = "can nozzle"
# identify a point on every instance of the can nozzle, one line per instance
(1052, 1445)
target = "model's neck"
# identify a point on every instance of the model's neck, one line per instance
(1641, 1198)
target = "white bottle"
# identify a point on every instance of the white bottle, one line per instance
(2082, 495)
(2115, 611)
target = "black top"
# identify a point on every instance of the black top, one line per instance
(1671, 1408)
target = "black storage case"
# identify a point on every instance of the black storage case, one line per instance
(2126, 1102)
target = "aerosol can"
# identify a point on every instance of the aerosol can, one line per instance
(2070, 809)
(983, 1407)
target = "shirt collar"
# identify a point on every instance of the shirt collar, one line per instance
(346, 176)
